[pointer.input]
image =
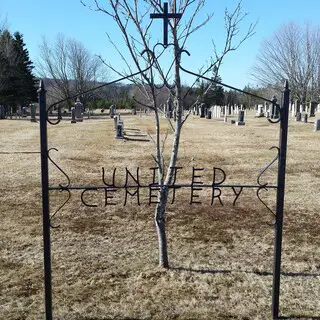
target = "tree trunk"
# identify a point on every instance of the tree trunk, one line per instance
(161, 231)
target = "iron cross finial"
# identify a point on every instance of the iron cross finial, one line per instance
(165, 16)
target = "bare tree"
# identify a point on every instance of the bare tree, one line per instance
(292, 52)
(70, 66)
(133, 20)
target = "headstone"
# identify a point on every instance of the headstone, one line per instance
(298, 116)
(240, 121)
(119, 131)
(197, 109)
(260, 111)
(112, 111)
(59, 113)
(313, 107)
(73, 115)
(293, 110)
(229, 110)
(2, 114)
(268, 114)
(24, 112)
(79, 110)
(305, 118)
(134, 110)
(209, 114)
(317, 125)
(233, 121)
(33, 113)
(202, 110)
(225, 118)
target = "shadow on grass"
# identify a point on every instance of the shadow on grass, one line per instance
(259, 273)
(135, 139)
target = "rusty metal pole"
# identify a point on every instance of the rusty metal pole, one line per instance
(284, 112)
(45, 202)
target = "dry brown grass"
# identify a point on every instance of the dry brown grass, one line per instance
(105, 259)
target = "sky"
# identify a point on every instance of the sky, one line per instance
(36, 19)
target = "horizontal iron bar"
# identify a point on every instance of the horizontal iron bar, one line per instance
(175, 186)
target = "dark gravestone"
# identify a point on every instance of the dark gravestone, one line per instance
(73, 115)
(317, 125)
(274, 110)
(298, 116)
(305, 118)
(202, 111)
(209, 114)
(24, 112)
(79, 110)
(233, 121)
(112, 111)
(313, 107)
(229, 110)
(119, 131)
(2, 113)
(240, 121)
(33, 113)
(59, 113)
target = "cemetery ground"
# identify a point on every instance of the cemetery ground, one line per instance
(104, 259)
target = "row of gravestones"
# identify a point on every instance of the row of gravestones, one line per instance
(220, 111)
(270, 111)
(310, 109)
(113, 110)
(23, 113)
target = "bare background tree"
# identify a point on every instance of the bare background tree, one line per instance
(292, 52)
(133, 20)
(70, 66)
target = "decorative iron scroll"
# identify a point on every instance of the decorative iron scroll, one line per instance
(62, 187)
(264, 186)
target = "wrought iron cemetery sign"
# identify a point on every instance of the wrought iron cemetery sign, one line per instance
(132, 181)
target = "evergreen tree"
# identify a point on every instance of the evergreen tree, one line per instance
(17, 83)
(211, 95)
(26, 83)
(8, 75)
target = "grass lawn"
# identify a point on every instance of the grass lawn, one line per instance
(104, 258)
